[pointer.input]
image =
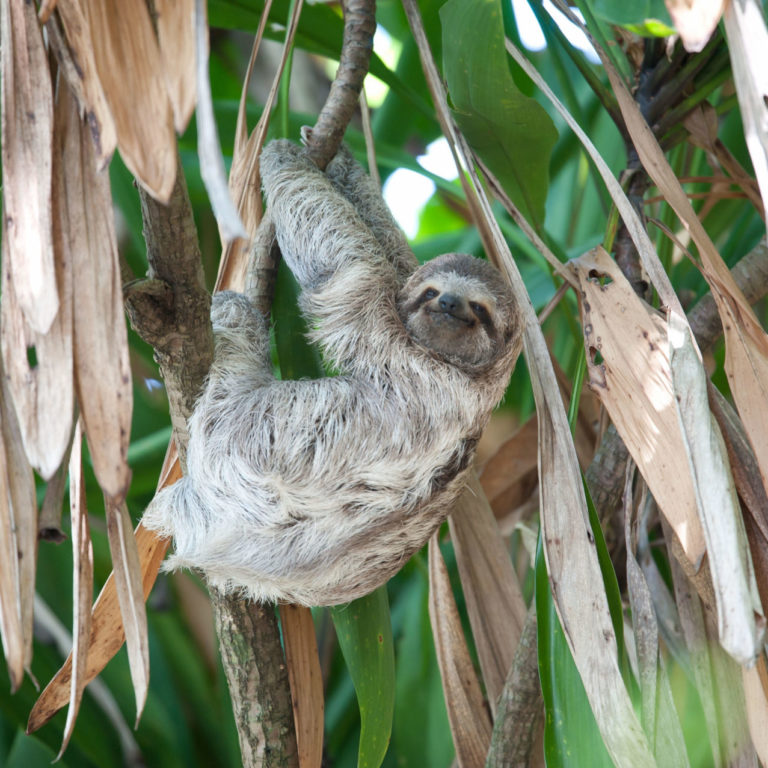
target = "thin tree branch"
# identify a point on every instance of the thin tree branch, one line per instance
(520, 711)
(171, 308)
(359, 25)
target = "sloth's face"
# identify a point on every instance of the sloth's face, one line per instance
(460, 308)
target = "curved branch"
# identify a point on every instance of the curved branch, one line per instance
(359, 25)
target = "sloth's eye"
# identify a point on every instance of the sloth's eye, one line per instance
(480, 312)
(430, 293)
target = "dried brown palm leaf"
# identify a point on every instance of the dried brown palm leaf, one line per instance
(468, 718)
(659, 715)
(740, 619)
(747, 36)
(19, 482)
(70, 37)
(130, 70)
(510, 475)
(102, 369)
(126, 570)
(10, 616)
(495, 604)
(628, 366)
(306, 680)
(175, 33)
(39, 369)
(27, 131)
(82, 584)
(107, 633)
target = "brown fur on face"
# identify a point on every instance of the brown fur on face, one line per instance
(459, 308)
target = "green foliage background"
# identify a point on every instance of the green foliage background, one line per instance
(188, 720)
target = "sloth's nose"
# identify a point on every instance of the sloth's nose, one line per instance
(449, 302)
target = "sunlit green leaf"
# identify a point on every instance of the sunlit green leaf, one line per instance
(511, 133)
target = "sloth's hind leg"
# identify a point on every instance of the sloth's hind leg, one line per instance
(241, 336)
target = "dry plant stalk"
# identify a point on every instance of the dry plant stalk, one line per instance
(306, 682)
(469, 721)
(495, 604)
(82, 584)
(569, 545)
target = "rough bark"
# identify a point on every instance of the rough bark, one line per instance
(520, 711)
(261, 697)
(170, 308)
(359, 25)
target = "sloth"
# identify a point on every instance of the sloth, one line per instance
(318, 491)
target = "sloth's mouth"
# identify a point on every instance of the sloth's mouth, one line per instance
(440, 314)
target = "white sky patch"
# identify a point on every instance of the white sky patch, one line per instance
(388, 50)
(533, 38)
(527, 27)
(406, 192)
(439, 160)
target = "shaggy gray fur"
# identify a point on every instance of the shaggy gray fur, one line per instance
(317, 492)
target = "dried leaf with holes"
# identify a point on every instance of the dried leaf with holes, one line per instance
(746, 343)
(628, 364)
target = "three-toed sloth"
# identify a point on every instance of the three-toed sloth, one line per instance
(318, 491)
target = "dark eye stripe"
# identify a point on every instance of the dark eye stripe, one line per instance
(480, 312)
(430, 293)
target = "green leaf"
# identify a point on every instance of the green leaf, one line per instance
(571, 735)
(649, 18)
(365, 636)
(511, 133)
